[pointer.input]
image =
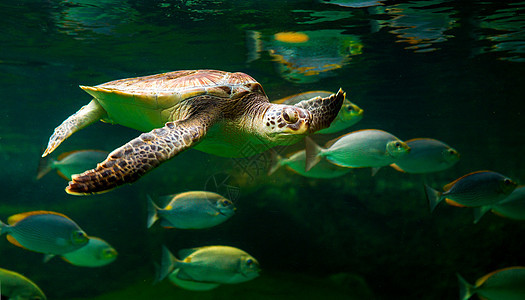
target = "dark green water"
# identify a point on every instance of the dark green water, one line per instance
(449, 70)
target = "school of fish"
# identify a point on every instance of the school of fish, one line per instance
(208, 267)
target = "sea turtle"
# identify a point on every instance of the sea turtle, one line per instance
(222, 113)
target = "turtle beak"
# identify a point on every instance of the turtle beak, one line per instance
(322, 110)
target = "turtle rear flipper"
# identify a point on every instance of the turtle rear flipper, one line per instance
(137, 157)
(323, 110)
(85, 116)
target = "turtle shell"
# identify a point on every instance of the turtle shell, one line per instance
(148, 102)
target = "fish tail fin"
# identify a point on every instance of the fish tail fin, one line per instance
(466, 290)
(480, 212)
(433, 197)
(276, 162)
(45, 164)
(312, 153)
(152, 212)
(167, 264)
(3, 227)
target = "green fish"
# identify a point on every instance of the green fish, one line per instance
(46, 232)
(16, 286)
(348, 115)
(472, 190)
(191, 210)
(503, 284)
(426, 156)
(210, 264)
(189, 284)
(96, 253)
(69, 163)
(296, 163)
(359, 149)
(512, 207)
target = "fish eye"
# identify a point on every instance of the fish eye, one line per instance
(398, 145)
(108, 253)
(290, 116)
(507, 181)
(79, 237)
(226, 202)
(249, 261)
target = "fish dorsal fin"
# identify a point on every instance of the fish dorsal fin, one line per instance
(184, 253)
(66, 154)
(448, 186)
(332, 141)
(13, 241)
(18, 217)
(482, 280)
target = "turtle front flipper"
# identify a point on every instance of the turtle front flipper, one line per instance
(85, 116)
(323, 110)
(137, 157)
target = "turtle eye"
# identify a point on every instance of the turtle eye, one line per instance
(290, 116)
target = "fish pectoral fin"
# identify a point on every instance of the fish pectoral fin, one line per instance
(13, 241)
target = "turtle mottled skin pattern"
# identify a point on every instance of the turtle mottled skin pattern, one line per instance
(212, 111)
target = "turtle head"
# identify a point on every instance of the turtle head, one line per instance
(282, 122)
(322, 110)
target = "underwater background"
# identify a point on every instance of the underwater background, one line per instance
(449, 70)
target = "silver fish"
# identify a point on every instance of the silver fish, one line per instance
(210, 264)
(191, 210)
(96, 253)
(16, 286)
(45, 232)
(426, 156)
(69, 163)
(473, 189)
(363, 148)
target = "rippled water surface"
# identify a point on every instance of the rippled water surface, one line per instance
(449, 70)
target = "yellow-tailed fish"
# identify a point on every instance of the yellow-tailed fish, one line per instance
(426, 156)
(472, 190)
(191, 210)
(16, 286)
(503, 284)
(512, 207)
(96, 253)
(296, 163)
(348, 115)
(363, 148)
(46, 232)
(190, 284)
(69, 163)
(210, 264)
